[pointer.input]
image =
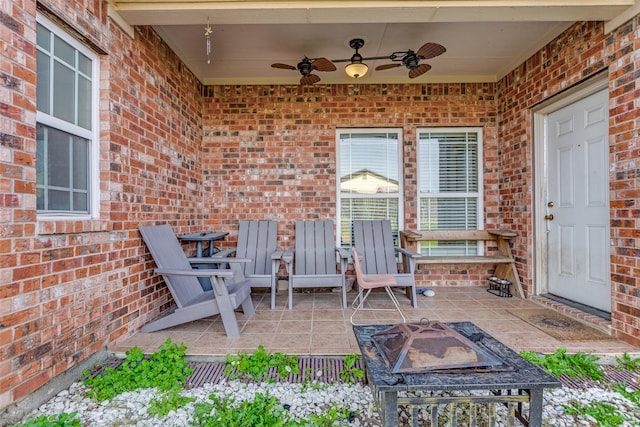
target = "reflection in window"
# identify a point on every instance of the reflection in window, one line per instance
(67, 79)
(369, 177)
(449, 181)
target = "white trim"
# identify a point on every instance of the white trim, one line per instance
(539, 167)
(119, 21)
(625, 16)
(93, 134)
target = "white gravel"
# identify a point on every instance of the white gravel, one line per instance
(130, 409)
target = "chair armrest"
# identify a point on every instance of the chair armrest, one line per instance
(408, 252)
(216, 260)
(287, 257)
(195, 273)
(224, 253)
(343, 253)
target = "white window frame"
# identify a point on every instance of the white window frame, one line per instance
(479, 193)
(92, 135)
(400, 194)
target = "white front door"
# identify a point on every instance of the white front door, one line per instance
(578, 202)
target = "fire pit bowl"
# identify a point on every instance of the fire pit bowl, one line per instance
(430, 346)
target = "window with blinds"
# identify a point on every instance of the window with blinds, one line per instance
(369, 184)
(450, 186)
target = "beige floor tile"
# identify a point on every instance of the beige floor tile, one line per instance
(330, 302)
(310, 328)
(329, 340)
(300, 350)
(326, 314)
(267, 315)
(331, 351)
(292, 341)
(260, 327)
(297, 315)
(302, 303)
(294, 327)
(328, 327)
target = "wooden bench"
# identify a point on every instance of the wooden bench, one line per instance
(504, 262)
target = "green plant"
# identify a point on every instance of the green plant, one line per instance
(169, 401)
(631, 395)
(580, 365)
(331, 416)
(628, 363)
(350, 374)
(256, 366)
(605, 414)
(165, 369)
(59, 420)
(263, 411)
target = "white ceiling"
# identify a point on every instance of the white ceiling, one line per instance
(485, 39)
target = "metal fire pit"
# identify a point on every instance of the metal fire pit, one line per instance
(515, 383)
(430, 346)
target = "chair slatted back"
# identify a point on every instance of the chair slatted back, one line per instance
(168, 253)
(374, 240)
(257, 241)
(315, 248)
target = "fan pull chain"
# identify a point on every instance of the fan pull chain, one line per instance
(207, 34)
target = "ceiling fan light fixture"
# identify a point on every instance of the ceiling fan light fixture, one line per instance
(356, 70)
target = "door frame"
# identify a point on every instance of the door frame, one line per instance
(540, 114)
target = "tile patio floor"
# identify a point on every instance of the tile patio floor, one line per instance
(317, 325)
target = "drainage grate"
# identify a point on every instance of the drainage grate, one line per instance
(612, 376)
(321, 369)
(329, 369)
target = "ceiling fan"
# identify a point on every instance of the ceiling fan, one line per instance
(409, 58)
(306, 68)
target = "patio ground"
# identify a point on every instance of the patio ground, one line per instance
(317, 325)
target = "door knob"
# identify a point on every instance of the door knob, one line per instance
(550, 204)
(549, 217)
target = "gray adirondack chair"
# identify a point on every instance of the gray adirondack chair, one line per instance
(257, 242)
(229, 287)
(313, 262)
(373, 240)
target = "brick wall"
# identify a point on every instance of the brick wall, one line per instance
(170, 154)
(578, 53)
(69, 288)
(270, 151)
(621, 49)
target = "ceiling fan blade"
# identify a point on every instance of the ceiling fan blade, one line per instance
(283, 66)
(430, 50)
(309, 80)
(323, 64)
(387, 66)
(419, 70)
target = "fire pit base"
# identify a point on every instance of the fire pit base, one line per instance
(515, 384)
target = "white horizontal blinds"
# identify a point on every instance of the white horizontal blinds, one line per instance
(369, 178)
(449, 186)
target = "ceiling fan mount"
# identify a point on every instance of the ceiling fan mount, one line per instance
(356, 44)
